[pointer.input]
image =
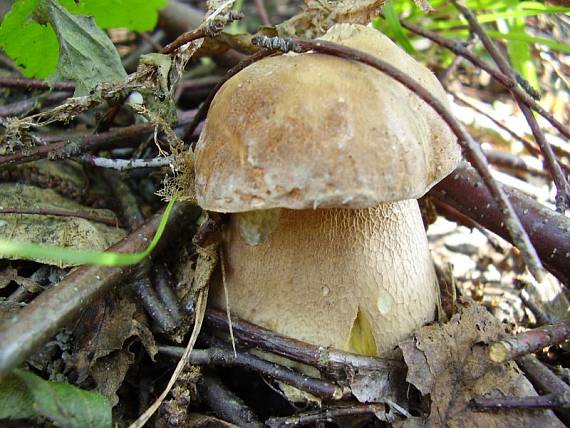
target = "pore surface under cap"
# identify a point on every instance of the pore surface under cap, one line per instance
(311, 130)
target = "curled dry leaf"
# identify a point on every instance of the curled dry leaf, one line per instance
(449, 362)
(320, 15)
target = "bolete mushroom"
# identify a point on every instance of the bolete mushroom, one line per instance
(320, 160)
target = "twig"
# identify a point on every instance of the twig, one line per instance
(152, 304)
(23, 107)
(326, 360)
(459, 49)
(225, 357)
(262, 12)
(534, 402)
(457, 61)
(36, 323)
(126, 164)
(60, 213)
(225, 404)
(563, 189)
(471, 148)
(23, 83)
(530, 341)
(128, 136)
(183, 39)
(203, 110)
(161, 282)
(510, 161)
(529, 145)
(545, 381)
(327, 415)
(548, 230)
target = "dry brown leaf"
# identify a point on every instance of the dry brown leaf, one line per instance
(450, 363)
(320, 15)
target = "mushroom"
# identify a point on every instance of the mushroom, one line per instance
(320, 160)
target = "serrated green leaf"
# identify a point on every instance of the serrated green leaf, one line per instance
(63, 404)
(34, 46)
(31, 45)
(16, 402)
(86, 55)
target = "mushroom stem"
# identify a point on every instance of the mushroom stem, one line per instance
(358, 280)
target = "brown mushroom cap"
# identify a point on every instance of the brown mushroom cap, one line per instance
(310, 130)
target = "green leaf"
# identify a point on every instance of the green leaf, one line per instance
(63, 404)
(86, 55)
(34, 46)
(16, 402)
(396, 29)
(518, 50)
(31, 45)
(28, 251)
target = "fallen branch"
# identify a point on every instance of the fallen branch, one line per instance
(36, 323)
(225, 357)
(530, 341)
(549, 231)
(325, 359)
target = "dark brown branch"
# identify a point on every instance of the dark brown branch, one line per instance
(25, 84)
(549, 401)
(162, 284)
(459, 49)
(530, 341)
(471, 149)
(329, 414)
(548, 230)
(181, 40)
(225, 404)
(563, 189)
(225, 357)
(60, 213)
(326, 360)
(545, 381)
(36, 323)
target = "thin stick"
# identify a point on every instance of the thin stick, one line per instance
(126, 164)
(219, 355)
(326, 360)
(329, 414)
(227, 298)
(549, 401)
(562, 187)
(549, 231)
(471, 148)
(530, 341)
(459, 49)
(60, 213)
